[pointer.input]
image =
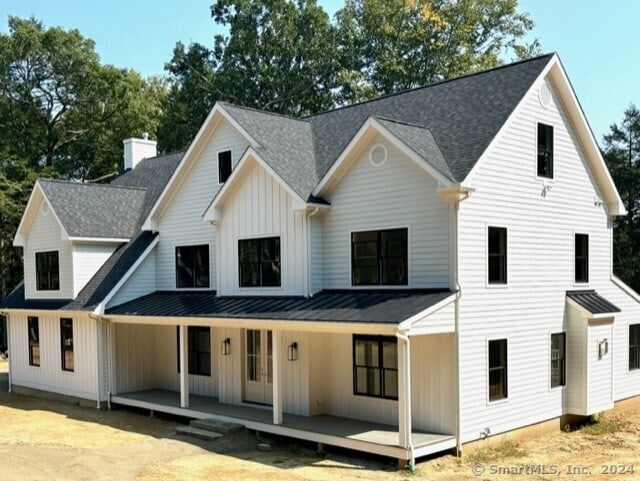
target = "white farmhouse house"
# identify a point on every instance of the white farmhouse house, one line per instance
(401, 276)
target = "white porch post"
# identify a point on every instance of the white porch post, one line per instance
(404, 391)
(184, 367)
(277, 377)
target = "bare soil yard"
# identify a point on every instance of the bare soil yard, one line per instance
(41, 440)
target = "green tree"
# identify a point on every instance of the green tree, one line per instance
(392, 45)
(622, 155)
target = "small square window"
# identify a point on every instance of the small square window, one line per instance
(545, 151)
(224, 166)
(379, 258)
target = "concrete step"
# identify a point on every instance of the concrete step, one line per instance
(216, 426)
(198, 433)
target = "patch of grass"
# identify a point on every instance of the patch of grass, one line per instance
(604, 425)
(506, 448)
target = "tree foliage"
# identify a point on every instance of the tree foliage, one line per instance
(622, 154)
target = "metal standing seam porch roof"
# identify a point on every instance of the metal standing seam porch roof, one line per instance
(370, 306)
(592, 302)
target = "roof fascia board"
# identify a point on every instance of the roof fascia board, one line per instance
(588, 314)
(206, 130)
(100, 240)
(212, 213)
(625, 288)
(372, 124)
(29, 216)
(99, 310)
(408, 323)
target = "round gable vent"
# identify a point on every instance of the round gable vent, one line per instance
(45, 208)
(378, 155)
(544, 95)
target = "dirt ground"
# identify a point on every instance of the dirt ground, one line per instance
(42, 440)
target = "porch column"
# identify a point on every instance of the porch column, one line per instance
(277, 377)
(184, 367)
(404, 391)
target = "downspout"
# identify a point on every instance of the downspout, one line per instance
(101, 319)
(407, 419)
(308, 256)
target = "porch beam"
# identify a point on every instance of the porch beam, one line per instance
(277, 377)
(184, 367)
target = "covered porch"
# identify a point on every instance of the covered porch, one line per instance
(381, 439)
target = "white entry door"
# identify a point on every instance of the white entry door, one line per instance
(258, 367)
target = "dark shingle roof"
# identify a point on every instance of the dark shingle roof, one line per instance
(16, 300)
(385, 307)
(91, 210)
(592, 302)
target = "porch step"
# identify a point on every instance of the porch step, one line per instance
(198, 433)
(216, 426)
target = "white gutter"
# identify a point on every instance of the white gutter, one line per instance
(402, 336)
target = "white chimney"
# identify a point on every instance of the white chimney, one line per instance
(136, 150)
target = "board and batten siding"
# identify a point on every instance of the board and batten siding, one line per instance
(141, 282)
(540, 244)
(83, 382)
(259, 207)
(396, 194)
(46, 235)
(181, 224)
(87, 259)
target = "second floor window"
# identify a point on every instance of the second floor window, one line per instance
(259, 261)
(634, 347)
(545, 151)
(497, 255)
(47, 271)
(379, 258)
(224, 166)
(582, 258)
(192, 266)
(33, 324)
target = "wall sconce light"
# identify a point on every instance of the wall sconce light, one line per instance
(292, 352)
(603, 348)
(226, 347)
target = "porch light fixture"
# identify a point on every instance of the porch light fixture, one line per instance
(226, 347)
(292, 352)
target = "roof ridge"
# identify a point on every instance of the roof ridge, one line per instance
(435, 84)
(266, 112)
(91, 184)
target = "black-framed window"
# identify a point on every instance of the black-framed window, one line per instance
(497, 255)
(497, 369)
(33, 326)
(558, 359)
(47, 271)
(198, 350)
(634, 347)
(224, 166)
(582, 258)
(259, 262)
(379, 257)
(192, 266)
(545, 151)
(375, 366)
(66, 343)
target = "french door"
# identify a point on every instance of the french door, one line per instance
(258, 367)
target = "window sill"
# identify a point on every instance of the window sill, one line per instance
(497, 402)
(496, 286)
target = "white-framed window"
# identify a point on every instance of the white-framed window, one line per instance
(259, 262)
(497, 255)
(192, 266)
(581, 254)
(558, 359)
(497, 362)
(47, 271)
(375, 366)
(225, 165)
(380, 257)
(545, 151)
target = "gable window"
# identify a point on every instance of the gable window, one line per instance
(259, 261)
(66, 343)
(199, 350)
(558, 359)
(497, 255)
(497, 369)
(375, 366)
(582, 258)
(634, 347)
(47, 271)
(33, 325)
(545, 151)
(192, 266)
(379, 258)
(224, 166)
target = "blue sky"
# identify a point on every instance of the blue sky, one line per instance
(598, 42)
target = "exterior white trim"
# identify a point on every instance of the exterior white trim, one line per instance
(101, 240)
(29, 215)
(618, 282)
(407, 324)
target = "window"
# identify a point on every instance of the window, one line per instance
(198, 350)
(582, 258)
(66, 343)
(375, 366)
(545, 151)
(47, 271)
(497, 369)
(192, 266)
(634, 347)
(497, 261)
(33, 325)
(224, 166)
(259, 262)
(558, 359)
(379, 258)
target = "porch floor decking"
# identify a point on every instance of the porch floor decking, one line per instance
(332, 430)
